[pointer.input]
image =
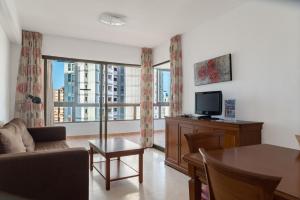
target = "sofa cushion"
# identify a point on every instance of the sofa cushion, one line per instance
(26, 137)
(44, 146)
(11, 140)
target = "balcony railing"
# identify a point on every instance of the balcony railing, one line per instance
(72, 112)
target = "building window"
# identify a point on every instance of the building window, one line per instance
(115, 99)
(109, 88)
(69, 77)
(86, 75)
(115, 79)
(115, 89)
(109, 99)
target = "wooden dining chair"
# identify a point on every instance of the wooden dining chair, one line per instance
(227, 183)
(209, 140)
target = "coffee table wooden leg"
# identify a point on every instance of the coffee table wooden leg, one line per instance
(107, 173)
(91, 158)
(141, 168)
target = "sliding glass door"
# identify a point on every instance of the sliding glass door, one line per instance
(77, 92)
(161, 102)
(89, 92)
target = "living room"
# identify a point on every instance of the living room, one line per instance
(262, 39)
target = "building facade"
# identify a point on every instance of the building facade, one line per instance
(58, 113)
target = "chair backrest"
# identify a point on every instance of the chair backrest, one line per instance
(227, 183)
(208, 140)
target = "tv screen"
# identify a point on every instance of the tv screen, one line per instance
(208, 103)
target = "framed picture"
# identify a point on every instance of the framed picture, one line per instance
(213, 70)
(230, 109)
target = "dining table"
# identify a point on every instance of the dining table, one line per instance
(262, 159)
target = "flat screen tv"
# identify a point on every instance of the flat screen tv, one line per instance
(208, 103)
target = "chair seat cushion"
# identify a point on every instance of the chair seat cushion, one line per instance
(11, 140)
(44, 146)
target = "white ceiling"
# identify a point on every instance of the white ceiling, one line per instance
(149, 22)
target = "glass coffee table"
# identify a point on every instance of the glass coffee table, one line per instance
(113, 168)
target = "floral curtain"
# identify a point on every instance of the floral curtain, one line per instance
(30, 80)
(146, 98)
(176, 76)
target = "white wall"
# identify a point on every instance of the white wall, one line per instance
(9, 33)
(9, 20)
(15, 50)
(4, 76)
(90, 50)
(264, 39)
(161, 53)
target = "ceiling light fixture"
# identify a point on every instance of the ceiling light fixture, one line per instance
(112, 19)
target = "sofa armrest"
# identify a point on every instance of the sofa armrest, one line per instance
(46, 134)
(47, 175)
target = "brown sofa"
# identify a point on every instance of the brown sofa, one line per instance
(52, 171)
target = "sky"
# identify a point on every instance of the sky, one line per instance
(57, 74)
(166, 81)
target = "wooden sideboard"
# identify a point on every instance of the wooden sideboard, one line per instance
(237, 133)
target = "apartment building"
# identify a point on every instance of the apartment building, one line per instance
(58, 95)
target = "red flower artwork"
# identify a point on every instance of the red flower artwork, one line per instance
(202, 73)
(212, 71)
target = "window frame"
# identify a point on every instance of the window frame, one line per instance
(109, 104)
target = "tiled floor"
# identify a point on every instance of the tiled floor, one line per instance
(160, 182)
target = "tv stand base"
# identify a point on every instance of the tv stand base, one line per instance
(207, 117)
